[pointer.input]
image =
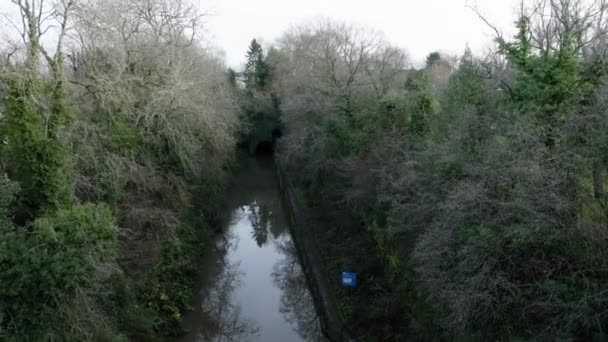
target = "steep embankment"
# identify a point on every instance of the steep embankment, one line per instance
(112, 166)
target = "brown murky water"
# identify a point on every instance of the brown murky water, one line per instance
(252, 287)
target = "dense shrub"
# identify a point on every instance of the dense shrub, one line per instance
(504, 251)
(482, 192)
(45, 269)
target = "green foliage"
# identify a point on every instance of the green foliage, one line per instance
(260, 115)
(421, 104)
(257, 70)
(42, 269)
(33, 155)
(125, 136)
(174, 278)
(550, 82)
(232, 75)
(432, 59)
(467, 86)
(8, 189)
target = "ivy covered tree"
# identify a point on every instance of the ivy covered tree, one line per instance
(421, 102)
(33, 154)
(35, 115)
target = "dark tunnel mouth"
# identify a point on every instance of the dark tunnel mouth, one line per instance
(264, 148)
(276, 134)
(267, 147)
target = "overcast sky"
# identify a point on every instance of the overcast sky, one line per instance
(419, 26)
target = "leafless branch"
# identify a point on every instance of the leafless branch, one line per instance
(498, 34)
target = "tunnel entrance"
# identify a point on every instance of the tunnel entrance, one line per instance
(264, 148)
(276, 134)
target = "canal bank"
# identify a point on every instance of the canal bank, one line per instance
(329, 319)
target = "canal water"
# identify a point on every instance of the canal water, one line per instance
(252, 287)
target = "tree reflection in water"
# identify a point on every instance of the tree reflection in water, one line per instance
(260, 216)
(227, 324)
(296, 302)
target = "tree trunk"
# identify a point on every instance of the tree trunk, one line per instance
(598, 180)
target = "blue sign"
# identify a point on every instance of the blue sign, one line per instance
(349, 279)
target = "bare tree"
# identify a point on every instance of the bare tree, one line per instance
(329, 69)
(143, 59)
(553, 22)
(384, 66)
(550, 24)
(36, 20)
(336, 54)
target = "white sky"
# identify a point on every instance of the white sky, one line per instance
(419, 26)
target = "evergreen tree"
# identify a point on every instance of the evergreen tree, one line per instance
(466, 86)
(232, 77)
(432, 59)
(257, 70)
(549, 83)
